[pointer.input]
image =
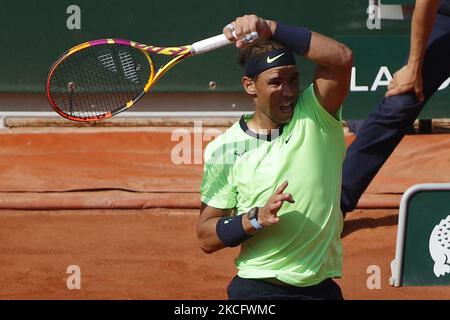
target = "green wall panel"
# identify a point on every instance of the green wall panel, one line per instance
(33, 33)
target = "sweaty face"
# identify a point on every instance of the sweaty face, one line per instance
(277, 92)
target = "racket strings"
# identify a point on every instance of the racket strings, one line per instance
(99, 80)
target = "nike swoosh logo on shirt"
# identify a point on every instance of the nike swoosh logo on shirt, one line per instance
(288, 138)
(240, 154)
(270, 60)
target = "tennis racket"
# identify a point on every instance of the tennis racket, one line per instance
(99, 79)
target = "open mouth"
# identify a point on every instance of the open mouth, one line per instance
(287, 108)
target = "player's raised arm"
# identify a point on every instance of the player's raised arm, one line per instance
(334, 60)
(332, 76)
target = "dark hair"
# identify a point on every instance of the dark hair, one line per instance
(259, 47)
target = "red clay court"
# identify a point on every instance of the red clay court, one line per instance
(126, 215)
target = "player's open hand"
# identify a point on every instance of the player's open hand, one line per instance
(246, 29)
(268, 214)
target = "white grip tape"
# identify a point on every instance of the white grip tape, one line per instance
(210, 44)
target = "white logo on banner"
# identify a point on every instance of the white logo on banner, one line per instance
(381, 80)
(440, 247)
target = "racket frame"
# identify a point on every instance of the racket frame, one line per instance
(180, 53)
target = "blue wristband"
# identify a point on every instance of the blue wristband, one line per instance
(298, 39)
(230, 231)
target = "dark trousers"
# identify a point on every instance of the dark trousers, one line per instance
(387, 124)
(256, 289)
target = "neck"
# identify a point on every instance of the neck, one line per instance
(262, 122)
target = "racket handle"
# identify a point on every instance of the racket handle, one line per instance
(210, 44)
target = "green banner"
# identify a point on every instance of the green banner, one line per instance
(34, 33)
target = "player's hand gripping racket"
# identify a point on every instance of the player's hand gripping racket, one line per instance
(99, 79)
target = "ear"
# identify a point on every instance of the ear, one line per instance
(249, 85)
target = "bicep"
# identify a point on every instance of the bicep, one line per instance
(333, 72)
(331, 88)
